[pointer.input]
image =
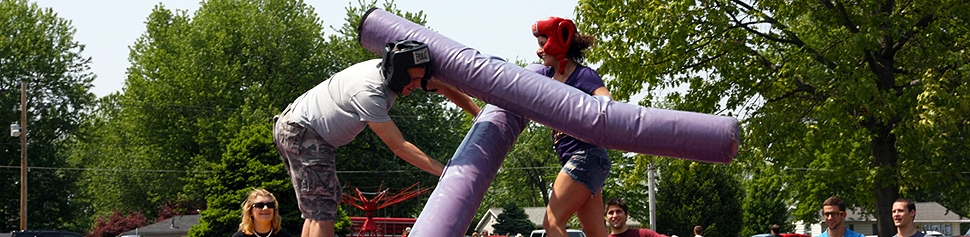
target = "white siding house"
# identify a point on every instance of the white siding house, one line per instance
(535, 215)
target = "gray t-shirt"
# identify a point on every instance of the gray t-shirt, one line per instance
(917, 234)
(340, 107)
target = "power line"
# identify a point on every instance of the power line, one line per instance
(533, 168)
(209, 171)
(339, 171)
(111, 170)
(194, 171)
(214, 108)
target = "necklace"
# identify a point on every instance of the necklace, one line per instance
(267, 234)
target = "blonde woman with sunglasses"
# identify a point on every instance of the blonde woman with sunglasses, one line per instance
(260, 216)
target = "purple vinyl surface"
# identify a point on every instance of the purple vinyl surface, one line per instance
(611, 124)
(468, 175)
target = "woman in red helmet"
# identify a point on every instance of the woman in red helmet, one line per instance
(579, 185)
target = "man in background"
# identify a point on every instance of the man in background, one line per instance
(617, 214)
(833, 211)
(775, 230)
(903, 213)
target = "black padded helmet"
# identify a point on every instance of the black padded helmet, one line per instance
(401, 55)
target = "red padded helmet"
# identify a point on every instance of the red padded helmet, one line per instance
(560, 33)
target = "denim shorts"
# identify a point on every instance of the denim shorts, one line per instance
(310, 162)
(589, 167)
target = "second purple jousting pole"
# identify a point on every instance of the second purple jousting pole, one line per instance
(468, 175)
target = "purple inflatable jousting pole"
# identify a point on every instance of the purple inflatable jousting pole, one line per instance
(468, 175)
(611, 124)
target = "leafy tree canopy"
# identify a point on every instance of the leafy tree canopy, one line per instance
(855, 100)
(696, 194)
(197, 105)
(38, 51)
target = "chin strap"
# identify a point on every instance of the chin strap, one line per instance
(424, 85)
(562, 65)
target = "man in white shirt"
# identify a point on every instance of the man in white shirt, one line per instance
(331, 114)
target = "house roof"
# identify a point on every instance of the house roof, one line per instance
(176, 225)
(934, 212)
(536, 214)
(925, 212)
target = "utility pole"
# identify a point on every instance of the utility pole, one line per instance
(23, 156)
(650, 196)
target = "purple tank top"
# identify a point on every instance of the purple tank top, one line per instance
(587, 80)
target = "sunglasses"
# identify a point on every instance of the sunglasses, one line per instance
(264, 204)
(831, 214)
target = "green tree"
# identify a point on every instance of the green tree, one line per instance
(205, 86)
(249, 73)
(194, 84)
(691, 194)
(108, 183)
(513, 220)
(857, 100)
(528, 171)
(248, 163)
(765, 203)
(197, 103)
(37, 48)
(128, 170)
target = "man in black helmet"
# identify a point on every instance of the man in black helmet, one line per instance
(331, 114)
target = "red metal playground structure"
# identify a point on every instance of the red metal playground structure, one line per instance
(368, 225)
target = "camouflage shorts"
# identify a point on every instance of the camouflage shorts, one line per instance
(310, 162)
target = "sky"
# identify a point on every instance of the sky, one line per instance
(497, 27)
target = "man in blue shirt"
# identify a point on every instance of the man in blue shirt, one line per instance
(833, 211)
